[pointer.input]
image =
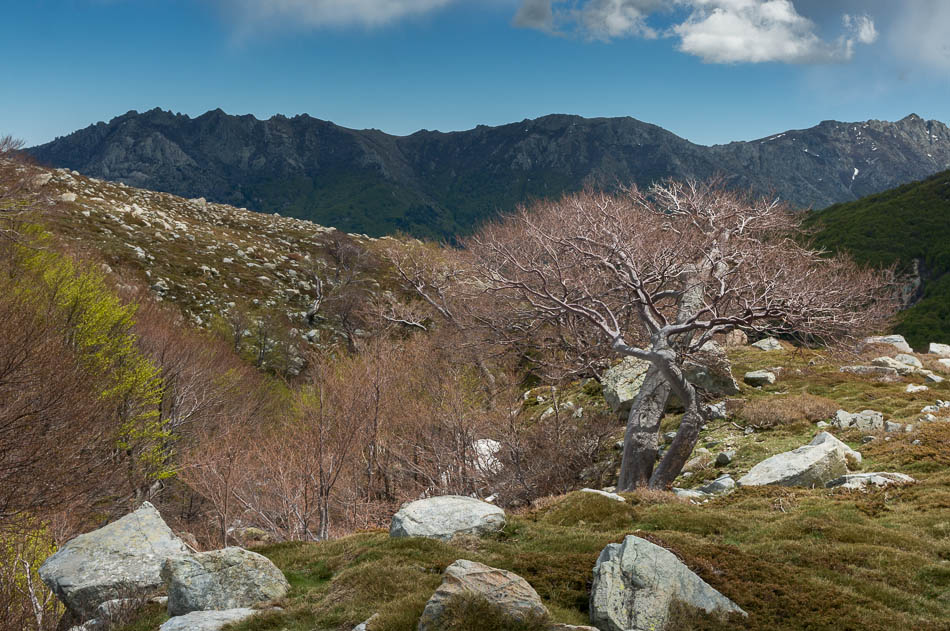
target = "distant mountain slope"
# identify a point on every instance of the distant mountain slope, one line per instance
(906, 225)
(435, 184)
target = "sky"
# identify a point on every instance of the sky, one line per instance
(711, 71)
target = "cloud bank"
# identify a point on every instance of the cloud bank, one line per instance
(717, 31)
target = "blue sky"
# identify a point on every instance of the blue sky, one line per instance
(709, 70)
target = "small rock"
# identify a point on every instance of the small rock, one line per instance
(736, 337)
(883, 373)
(910, 360)
(862, 481)
(768, 344)
(668, 437)
(913, 388)
(500, 587)
(759, 378)
(206, 620)
(725, 458)
(932, 378)
(67, 197)
(890, 426)
(445, 516)
(722, 484)
(868, 439)
(891, 362)
(363, 626)
(716, 411)
(612, 496)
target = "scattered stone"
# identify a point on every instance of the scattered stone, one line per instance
(363, 626)
(67, 197)
(932, 378)
(716, 411)
(913, 388)
(711, 371)
(668, 437)
(41, 180)
(944, 364)
(231, 578)
(880, 372)
(690, 494)
(120, 560)
(910, 360)
(502, 588)
(868, 439)
(822, 424)
(862, 481)
(445, 516)
(759, 378)
(725, 458)
(899, 366)
(866, 421)
(722, 484)
(808, 466)
(890, 426)
(206, 620)
(608, 495)
(636, 581)
(943, 350)
(897, 341)
(768, 344)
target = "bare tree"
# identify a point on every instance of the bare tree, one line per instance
(658, 274)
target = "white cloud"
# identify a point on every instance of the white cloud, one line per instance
(862, 27)
(251, 14)
(718, 31)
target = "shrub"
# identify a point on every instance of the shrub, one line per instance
(773, 412)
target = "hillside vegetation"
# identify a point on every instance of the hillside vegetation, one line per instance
(905, 226)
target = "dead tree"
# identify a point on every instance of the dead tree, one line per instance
(658, 274)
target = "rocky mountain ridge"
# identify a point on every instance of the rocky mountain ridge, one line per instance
(439, 185)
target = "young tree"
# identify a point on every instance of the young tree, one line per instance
(658, 274)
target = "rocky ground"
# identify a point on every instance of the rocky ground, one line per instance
(846, 528)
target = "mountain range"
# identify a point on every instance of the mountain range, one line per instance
(440, 185)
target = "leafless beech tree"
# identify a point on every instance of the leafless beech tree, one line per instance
(658, 274)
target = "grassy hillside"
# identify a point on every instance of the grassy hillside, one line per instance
(792, 558)
(903, 225)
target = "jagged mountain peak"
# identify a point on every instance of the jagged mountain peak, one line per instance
(438, 185)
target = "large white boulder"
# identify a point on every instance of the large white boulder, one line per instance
(120, 560)
(636, 581)
(501, 588)
(942, 350)
(896, 341)
(445, 516)
(206, 620)
(759, 378)
(809, 466)
(231, 578)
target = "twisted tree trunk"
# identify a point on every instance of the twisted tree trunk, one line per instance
(641, 439)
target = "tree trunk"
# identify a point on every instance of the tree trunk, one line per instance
(681, 447)
(641, 439)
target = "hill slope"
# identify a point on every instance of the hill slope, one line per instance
(908, 225)
(438, 185)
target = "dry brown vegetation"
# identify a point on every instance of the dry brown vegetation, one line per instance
(766, 413)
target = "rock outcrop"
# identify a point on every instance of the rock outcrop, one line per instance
(622, 382)
(768, 344)
(120, 560)
(504, 589)
(636, 581)
(232, 578)
(808, 466)
(445, 516)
